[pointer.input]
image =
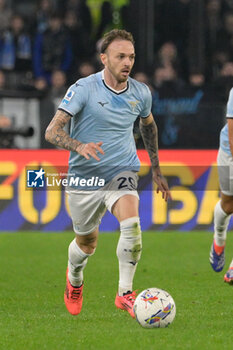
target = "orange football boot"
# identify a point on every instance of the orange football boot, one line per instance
(126, 302)
(73, 297)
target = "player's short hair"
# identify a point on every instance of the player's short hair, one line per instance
(115, 34)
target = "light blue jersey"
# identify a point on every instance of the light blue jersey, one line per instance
(103, 114)
(224, 136)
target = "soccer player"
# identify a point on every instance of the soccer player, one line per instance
(102, 108)
(224, 208)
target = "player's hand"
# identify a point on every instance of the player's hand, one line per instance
(162, 185)
(91, 149)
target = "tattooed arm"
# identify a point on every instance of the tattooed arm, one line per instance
(57, 136)
(149, 132)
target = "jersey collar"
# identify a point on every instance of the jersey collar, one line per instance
(118, 92)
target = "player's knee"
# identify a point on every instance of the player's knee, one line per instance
(227, 206)
(88, 249)
(87, 244)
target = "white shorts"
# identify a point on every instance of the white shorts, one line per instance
(88, 207)
(225, 172)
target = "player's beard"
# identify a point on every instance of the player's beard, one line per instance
(118, 76)
(121, 80)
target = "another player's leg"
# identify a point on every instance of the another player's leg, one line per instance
(227, 203)
(228, 277)
(223, 211)
(128, 249)
(79, 251)
(221, 221)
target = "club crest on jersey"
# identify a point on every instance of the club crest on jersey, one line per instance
(133, 104)
(68, 97)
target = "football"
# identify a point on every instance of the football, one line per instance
(154, 308)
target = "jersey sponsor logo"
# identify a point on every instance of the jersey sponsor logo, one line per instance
(133, 104)
(68, 97)
(103, 103)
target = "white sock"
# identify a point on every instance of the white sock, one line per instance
(221, 221)
(128, 252)
(77, 261)
(231, 265)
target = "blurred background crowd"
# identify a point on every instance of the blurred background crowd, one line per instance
(184, 53)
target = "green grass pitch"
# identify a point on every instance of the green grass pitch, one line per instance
(32, 281)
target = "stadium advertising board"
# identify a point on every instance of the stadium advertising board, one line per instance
(192, 176)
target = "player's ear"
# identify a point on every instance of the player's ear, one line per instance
(103, 58)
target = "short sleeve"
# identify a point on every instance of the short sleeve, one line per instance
(74, 99)
(230, 105)
(147, 102)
